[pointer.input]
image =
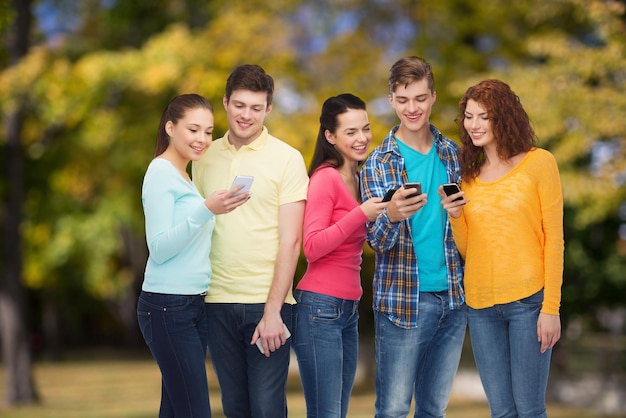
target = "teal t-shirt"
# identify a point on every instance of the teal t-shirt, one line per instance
(428, 224)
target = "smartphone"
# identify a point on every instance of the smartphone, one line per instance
(417, 186)
(452, 188)
(389, 195)
(245, 181)
(287, 335)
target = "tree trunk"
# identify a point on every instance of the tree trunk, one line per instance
(16, 352)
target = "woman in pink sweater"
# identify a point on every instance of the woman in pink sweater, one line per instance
(326, 316)
(509, 230)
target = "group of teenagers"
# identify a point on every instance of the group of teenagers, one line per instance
(222, 259)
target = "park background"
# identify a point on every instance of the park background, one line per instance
(82, 87)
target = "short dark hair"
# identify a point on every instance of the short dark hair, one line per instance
(250, 77)
(334, 106)
(175, 111)
(409, 69)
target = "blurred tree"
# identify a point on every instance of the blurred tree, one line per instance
(565, 59)
(572, 82)
(14, 333)
(93, 98)
(91, 25)
(88, 137)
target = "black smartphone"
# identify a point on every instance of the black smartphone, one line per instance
(417, 186)
(389, 195)
(452, 188)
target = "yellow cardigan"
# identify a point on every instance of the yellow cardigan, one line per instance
(511, 235)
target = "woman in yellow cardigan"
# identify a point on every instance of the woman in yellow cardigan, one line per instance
(509, 230)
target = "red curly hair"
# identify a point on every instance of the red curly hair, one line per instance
(510, 125)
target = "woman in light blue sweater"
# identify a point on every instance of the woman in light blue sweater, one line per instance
(179, 223)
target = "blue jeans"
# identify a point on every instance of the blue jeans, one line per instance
(419, 361)
(513, 371)
(326, 342)
(252, 385)
(175, 329)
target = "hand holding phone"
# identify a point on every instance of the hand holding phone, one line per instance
(389, 195)
(260, 346)
(417, 186)
(452, 188)
(245, 181)
(391, 191)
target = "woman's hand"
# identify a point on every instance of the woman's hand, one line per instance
(548, 330)
(373, 207)
(225, 201)
(454, 208)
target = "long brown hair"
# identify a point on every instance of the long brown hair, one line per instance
(175, 111)
(334, 106)
(510, 125)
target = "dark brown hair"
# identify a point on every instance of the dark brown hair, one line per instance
(334, 106)
(250, 77)
(174, 112)
(510, 125)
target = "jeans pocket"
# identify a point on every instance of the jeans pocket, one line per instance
(324, 312)
(145, 325)
(175, 303)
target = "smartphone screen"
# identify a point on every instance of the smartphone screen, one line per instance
(452, 188)
(417, 186)
(245, 181)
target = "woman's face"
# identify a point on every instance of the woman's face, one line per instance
(352, 136)
(477, 124)
(191, 136)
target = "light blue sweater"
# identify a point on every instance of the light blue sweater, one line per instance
(178, 232)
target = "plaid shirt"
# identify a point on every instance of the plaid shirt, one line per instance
(396, 278)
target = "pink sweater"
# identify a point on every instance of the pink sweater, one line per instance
(334, 234)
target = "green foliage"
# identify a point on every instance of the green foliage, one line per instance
(93, 102)
(572, 82)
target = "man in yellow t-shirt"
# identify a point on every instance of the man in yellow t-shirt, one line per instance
(255, 250)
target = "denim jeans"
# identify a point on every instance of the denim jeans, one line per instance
(252, 385)
(175, 329)
(419, 361)
(513, 371)
(326, 340)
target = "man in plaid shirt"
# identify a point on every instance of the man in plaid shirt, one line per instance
(419, 308)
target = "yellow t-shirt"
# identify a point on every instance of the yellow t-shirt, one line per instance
(245, 241)
(511, 235)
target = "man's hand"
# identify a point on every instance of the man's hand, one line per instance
(400, 207)
(271, 334)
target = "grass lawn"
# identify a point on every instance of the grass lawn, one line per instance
(130, 388)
